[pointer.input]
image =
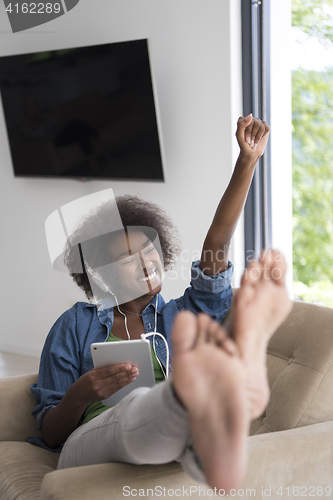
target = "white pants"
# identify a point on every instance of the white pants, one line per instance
(149, 426)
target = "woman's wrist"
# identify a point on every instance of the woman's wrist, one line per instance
(74, 399)
(250, 159)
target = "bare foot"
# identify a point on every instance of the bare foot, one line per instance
(259, 307)
(223, 383)
(210, 380)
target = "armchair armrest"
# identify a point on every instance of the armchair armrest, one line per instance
(16, 403)
(299, 457)
(115, 480)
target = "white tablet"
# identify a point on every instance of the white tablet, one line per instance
(136, 352)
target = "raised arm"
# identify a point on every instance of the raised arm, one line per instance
(252, 136)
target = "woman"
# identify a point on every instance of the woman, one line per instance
(130, 264)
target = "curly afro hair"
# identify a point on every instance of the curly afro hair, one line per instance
(133, 211)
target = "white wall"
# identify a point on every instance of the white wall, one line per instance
(196, 61)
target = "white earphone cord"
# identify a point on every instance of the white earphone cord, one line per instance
(145, 335)
(121, 312)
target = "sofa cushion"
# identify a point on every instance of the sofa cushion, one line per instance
(300, 369)
(22, 469)
(16, 403)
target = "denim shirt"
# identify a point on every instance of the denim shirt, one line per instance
(66, 354)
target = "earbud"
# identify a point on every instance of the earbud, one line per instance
(97, 279)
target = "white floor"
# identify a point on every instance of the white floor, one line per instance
(12, 364)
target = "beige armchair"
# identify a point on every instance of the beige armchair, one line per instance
(290, 448)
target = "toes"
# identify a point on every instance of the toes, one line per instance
(274, 265)
(252, 273)
(191, 331)
(203, 329)
(271, 265)
(251, 277)
(216, 334)
(219, 336)
(230, 347)
(184, 332)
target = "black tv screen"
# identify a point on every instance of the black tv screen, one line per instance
(84, 113)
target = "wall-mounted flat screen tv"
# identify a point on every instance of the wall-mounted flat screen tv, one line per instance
(83, 113)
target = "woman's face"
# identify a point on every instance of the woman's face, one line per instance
(138, 264)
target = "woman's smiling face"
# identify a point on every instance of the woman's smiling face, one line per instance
(138, 264)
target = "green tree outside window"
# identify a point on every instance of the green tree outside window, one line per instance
(312, 110)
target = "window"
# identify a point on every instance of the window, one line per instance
(312, 150)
